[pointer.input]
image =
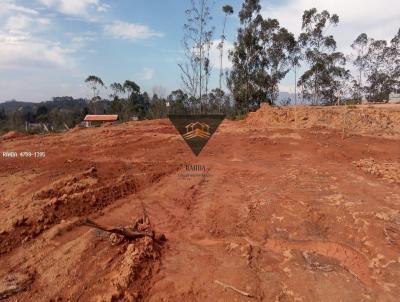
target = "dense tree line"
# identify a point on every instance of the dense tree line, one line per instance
(265, 52)
(56, 114)
(378, 65)
(126, 100)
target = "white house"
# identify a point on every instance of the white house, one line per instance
(394, 98)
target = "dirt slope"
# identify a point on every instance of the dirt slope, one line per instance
(282, 214)
(382, 120)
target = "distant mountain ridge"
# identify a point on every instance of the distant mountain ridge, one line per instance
(65, 102)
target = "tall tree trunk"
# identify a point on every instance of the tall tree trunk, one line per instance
(201, 48)
(295, 84)
(222, 53)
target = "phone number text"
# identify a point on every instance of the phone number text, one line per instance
(25, 154)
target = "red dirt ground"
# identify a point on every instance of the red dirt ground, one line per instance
(281, 214)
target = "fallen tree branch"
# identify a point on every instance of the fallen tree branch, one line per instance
(126, 232)
(225, 286)
(13, 290)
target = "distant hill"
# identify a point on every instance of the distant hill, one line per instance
(14, 105)
(285, 96)
(60, 111)
(66, 102)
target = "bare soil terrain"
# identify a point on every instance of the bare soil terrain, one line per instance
(376, 120)
(288, 213)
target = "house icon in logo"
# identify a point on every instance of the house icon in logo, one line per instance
(197, 130)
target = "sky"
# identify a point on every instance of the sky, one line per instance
(49, 47)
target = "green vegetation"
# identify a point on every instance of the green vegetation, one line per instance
(323, 79)
(381, 67)
(63, 112)
(54, 114)
(262, 57)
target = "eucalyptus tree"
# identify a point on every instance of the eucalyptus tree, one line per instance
(296, 59)
(360, 46)
(196, 43)
(117, 90)
(131, 87)
(158, 108)
(207, 65)
(95, 84)
(326, 66)
(261, 57)
(228, 10)
(134, 101)
(395, 54)
(179, 101)
(382, 68)
(244, 77)
(279, 51)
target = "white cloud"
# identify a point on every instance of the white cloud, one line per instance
(28, 56)
(24, 51)
(21, 48)
(18, 22)
(379, 19)
(23, 23)
(81, 41)
(103, 8)
(130, 31)
(148, 73)
(215, 55)
(9, 5)
(76, 8)
(43, 22)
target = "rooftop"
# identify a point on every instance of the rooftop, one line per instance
(101, 118)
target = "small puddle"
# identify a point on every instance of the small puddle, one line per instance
(353, 261)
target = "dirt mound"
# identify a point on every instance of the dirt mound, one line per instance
(75, 129)
(354, 119)
(72, 196)
(135, 253)
(387, 170)
(141, 252)
(12, 135)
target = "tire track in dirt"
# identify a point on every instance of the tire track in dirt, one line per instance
(350, 259)
(180, 214)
